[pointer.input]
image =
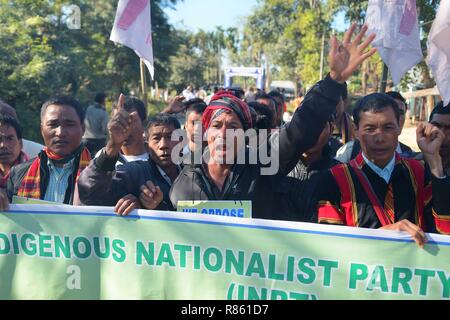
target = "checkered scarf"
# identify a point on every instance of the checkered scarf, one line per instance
(30, 186)
(225, 101)
(4, 179)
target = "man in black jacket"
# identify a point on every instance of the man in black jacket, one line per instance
(296, 194)
(218, 181)
(102, 184)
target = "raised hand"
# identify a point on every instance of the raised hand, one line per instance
(429, 140)
(119, 127)
(176, 105)
(346, 57)
(151, 196)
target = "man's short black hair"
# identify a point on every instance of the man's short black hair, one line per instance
(196, 105)
(236, 91)
(262, 95)
(132, 104)
(440, 109)
(12, 122)
(396, 95)
(7, 110)
(100, 98)
(276, 94)
(162, 120)
(64, 101)
(375, 102)
(264, 116)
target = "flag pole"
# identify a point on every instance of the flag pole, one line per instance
(143, 82)
(384, 79)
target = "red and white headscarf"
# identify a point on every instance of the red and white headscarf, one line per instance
(225, 101)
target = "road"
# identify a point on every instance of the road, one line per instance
(408, 137)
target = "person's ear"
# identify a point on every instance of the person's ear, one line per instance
(357, 136)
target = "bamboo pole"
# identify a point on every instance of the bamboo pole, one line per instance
(384, 79)
(144, 83)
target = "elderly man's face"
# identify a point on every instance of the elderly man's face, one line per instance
(61, 129)
(378, 133)
(161, 145)
(221, 130)
(10, 145)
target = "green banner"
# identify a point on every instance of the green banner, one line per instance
(60, 252)
(23, 200)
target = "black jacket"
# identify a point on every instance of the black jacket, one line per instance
(101, 184)
(297, 192)
(245, 182)
(19, 172)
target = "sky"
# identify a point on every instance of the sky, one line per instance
(207, 14)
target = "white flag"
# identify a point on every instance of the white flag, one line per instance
(133, 28)
(439, 50)
(396, 25)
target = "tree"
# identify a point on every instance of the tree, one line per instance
(355, 11)
(40, 56)
(289, 35)
(187, 66)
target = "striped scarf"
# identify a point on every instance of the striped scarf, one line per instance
(5, 176)
(226, 101)
(30, 186)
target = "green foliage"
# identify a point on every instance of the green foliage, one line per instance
(288, 34)
(40, 56)
(355, 11)
(199, 58)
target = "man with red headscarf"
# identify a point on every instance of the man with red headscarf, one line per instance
(216, 179)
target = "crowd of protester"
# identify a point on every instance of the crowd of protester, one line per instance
(332, 167)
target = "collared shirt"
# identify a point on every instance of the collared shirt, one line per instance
(58, 181)
(165, 176)
(124, 159)
(142, 157)
(385, 173)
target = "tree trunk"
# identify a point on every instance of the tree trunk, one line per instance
(364, 77)
(427, 79)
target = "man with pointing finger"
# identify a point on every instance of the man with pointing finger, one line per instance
(104, 184)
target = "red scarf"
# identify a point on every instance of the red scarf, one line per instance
(226, 101)
(30, 186)
(4, 178)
